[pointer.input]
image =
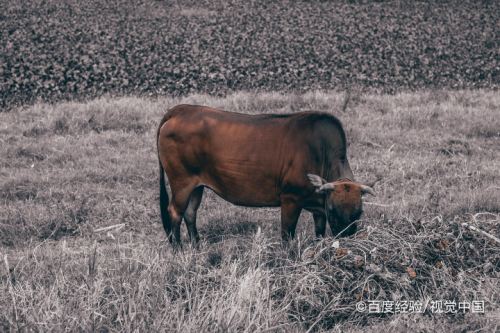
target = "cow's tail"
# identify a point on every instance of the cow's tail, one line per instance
(165, 216)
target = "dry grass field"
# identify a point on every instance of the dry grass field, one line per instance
(70, 168)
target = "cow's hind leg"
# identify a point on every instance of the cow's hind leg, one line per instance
(190, 214)
(177, 207)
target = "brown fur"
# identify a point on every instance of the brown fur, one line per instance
(253, 160)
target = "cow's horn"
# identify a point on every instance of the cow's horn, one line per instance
(326, 187)
(367, 190)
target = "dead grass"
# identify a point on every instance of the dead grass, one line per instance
(197, 12)
(69, 168)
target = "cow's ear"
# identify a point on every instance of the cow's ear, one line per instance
(316, 180)
(320, 184)
(367, 190)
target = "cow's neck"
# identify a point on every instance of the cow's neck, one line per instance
(337, 171)
(345, 170)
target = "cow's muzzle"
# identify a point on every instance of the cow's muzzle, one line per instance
(343, 230)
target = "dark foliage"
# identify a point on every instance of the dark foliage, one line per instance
(54, 49)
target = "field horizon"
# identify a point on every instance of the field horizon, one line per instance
(70, 169)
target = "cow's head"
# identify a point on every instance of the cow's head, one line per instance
(343, 204)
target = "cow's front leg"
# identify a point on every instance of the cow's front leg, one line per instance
(290, 212)
(319, 224)
(334, 227)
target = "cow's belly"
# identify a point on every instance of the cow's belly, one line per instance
(243, 186)
(247, 200)
(241, 164)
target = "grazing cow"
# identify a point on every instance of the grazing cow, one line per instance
(293, 161)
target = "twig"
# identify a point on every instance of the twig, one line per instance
(346, 100)
(484, 233)
(11, 289)
(493, 188)
(111, 227)
(370, 143)
(475, 216)
(321, 314)
(377, 204)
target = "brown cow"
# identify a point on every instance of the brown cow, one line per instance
(266, 160)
